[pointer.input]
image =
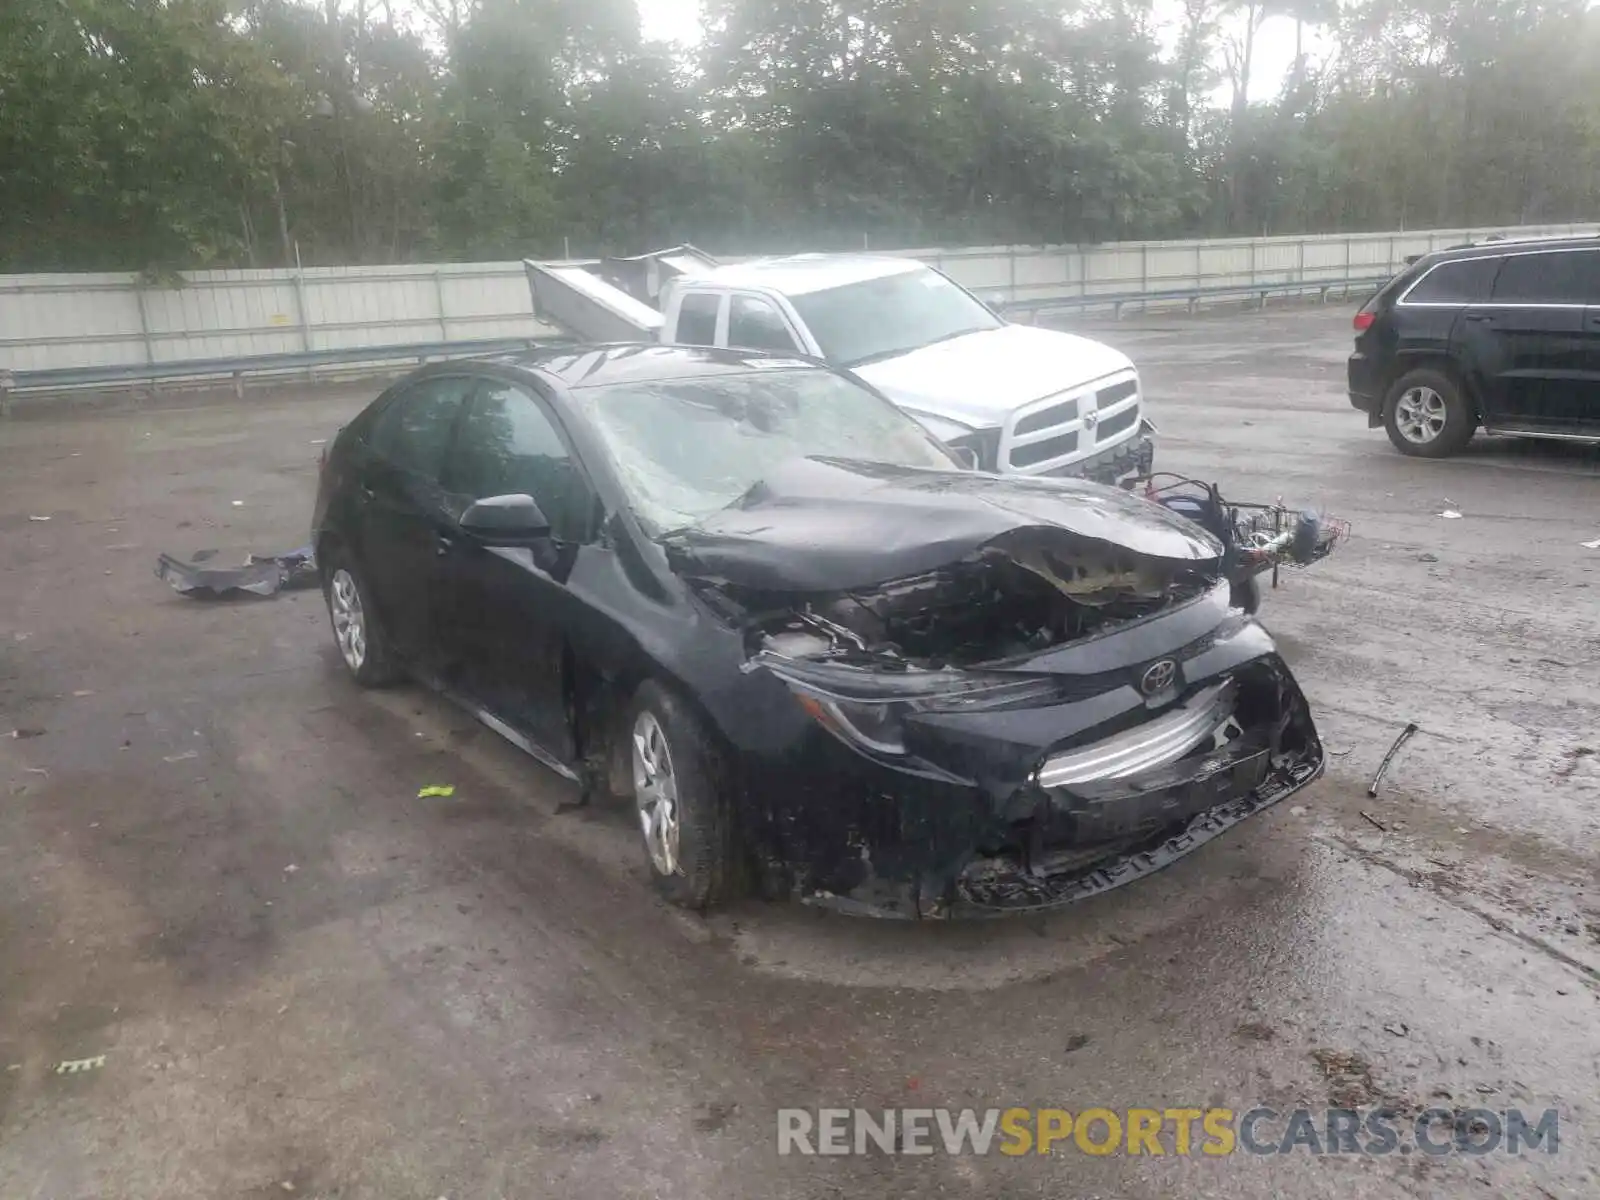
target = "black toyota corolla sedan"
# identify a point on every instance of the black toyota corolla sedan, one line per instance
(754, 600)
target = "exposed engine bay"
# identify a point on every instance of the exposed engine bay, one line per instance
(1017, 597)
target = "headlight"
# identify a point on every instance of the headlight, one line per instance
(875, 726)
(867, 708)
(984, 443)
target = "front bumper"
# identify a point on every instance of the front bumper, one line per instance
(1048, 819)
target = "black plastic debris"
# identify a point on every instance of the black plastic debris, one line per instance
(261, 575)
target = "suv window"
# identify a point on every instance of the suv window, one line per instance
(413, 431)
(697, 319)
(509, 444)
(1454, 282)
(1554, 277)
(754, 324)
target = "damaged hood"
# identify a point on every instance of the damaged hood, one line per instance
(821, 525)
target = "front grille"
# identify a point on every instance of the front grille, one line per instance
(1064, 427)
(1106, 397)
(1115, 425)
(1056, 414)
(1038, 452)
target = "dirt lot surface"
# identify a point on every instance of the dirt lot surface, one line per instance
(303, 980)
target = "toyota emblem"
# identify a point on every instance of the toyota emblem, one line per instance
(1158, 677)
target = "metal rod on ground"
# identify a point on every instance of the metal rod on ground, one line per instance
(1405, 735)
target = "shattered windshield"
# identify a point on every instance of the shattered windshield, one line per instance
(880, 318)
(685, 448)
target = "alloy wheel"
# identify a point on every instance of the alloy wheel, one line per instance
(655, 789)
(1420, 415)
(349, 618)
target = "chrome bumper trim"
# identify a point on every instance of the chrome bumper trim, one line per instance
(1153, 744)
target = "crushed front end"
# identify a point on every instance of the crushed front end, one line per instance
(1111, 735)
(966, 694)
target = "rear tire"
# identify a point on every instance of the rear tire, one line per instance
(356, 630)
(1427, 415)
(684, 820)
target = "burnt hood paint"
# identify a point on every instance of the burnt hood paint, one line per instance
(820, 524)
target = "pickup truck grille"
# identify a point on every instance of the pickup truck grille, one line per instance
(1051, 434)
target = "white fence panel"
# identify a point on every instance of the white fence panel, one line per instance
(51, 321)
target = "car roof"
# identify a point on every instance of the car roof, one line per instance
(1588, 241)
(587, 365)
(801, 273)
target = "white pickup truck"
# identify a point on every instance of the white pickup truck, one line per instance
(1021, 399)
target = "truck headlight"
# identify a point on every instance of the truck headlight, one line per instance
(984, 443)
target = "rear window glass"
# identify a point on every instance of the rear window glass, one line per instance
(1454, 282)
(1558, 277)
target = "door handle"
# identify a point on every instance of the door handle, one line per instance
(1486, 318)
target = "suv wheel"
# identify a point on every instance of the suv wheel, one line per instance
(683, 819)
(1426, 414)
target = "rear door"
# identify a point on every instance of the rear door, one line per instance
(1434, 317)
(400, 510)
(1537, 351)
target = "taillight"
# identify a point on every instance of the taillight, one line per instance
(327, 445)
(1363, 321)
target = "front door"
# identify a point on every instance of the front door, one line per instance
(501, 610)
(401, 509)
(1539, 352)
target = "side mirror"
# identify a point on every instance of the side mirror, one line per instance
(966, 456)
(994, 301)
(513, 518)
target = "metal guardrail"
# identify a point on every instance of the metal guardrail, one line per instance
(60, 379)
(57, 379)
(1192, 296)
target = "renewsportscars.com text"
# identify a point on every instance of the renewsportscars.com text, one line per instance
(1209, 1132)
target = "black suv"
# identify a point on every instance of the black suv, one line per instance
(1505, 335)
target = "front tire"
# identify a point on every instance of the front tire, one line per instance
(1427, 415)
(684, 820)
(356, 631)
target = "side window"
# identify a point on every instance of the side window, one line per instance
(414, 431)
(753, 324)
(509, 444)
(1464, 282)
(1556, 277)
(697, 319)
